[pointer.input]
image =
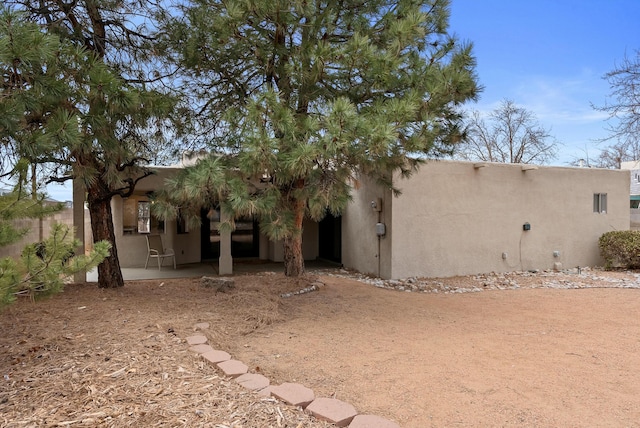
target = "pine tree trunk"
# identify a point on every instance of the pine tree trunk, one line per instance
(109, 273)
(293, 258)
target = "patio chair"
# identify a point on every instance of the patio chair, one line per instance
(156, 250)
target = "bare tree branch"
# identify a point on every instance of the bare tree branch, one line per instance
(511, 135)
(623, 109)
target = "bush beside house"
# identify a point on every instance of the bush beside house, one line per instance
(621, 249)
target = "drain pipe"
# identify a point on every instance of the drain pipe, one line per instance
(379, 242)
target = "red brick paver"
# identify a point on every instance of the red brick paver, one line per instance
(201, 326)
(197, 339)
(233, 368)
(332, 410)
(328, 409)
(215, 357)
(253, 381)
(200, 349)
(372, 421)
(264, 392)
(294, 394)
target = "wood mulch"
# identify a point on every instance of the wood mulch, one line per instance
(118, 358)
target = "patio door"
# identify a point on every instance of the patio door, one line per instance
(330, 238)
(244, 240)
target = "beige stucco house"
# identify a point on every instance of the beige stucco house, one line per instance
(133, 219)
(458, 218)
(453, 218)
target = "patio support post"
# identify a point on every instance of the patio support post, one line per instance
(225, 262)
(264, 247)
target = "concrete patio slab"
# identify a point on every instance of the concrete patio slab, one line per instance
(206, 268)
(181, 271)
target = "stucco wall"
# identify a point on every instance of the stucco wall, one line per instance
(455, 219)
(309, 244)
(64, 216)
(633, 169)
(362, 249)
(132, 248)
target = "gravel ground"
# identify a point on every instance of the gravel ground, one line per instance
(566, 279)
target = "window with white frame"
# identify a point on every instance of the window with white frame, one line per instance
(144, 216)
(138, 218)
(600, 203)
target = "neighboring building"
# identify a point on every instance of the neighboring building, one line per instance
(634, 191)
(453, 218)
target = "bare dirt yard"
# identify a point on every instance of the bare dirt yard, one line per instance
(546, 349)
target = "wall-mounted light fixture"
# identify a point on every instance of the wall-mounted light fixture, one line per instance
(376, 204)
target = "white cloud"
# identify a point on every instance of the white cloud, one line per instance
(562, 104)
(564, 99)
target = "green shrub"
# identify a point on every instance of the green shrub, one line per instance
(620, 249)
(43, 267)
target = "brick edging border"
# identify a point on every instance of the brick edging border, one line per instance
(332, 410)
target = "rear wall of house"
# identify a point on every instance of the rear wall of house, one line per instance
(132, 247)
(454, 218)
(362, 248)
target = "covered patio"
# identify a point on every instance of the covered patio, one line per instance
(191, 270)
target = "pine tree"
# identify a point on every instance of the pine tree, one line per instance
(298, 99)
(43, 267)
(120, 114)
(35, 119)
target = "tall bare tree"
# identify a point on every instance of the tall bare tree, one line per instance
(511, 134)
(623, 108)
(613, 155)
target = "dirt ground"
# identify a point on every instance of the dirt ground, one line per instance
(541, 353)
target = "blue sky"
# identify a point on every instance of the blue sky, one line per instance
(549, 56)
